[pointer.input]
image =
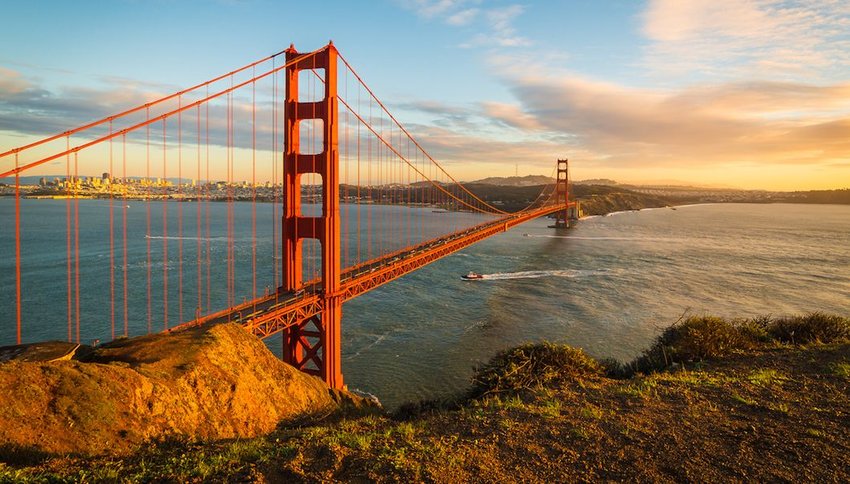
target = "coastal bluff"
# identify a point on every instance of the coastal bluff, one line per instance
(206, 383)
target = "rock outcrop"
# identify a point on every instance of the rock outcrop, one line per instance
(203, 383)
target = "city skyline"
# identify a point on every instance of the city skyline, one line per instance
(727, 93)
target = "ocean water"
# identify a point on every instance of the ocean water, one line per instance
(608, 285)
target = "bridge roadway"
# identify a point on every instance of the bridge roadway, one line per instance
(272, 313)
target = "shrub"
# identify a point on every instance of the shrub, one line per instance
(810, 328)
(414, 410)
(530, 366)
(613, 368)
(695, 339)
(701, 337)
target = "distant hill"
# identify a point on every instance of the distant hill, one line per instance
(516, 181)
(596, 181)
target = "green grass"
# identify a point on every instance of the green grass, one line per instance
(841, 369)
(642, 388)
(766, 377)
(592, 412)
(744, 400)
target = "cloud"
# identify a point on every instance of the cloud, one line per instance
(464, 17)
(495, 24)
(467, 154)
(500, 31)
(780, 39)
(510, 115)
(759, 123)
(430, 9)
(12, 83)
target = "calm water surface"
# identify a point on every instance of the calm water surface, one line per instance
(608, 285)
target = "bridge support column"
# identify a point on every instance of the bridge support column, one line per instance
(562, 195)
(314, 344)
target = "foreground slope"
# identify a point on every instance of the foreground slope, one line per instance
(763, 400)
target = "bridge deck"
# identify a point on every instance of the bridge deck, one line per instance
(272, 313)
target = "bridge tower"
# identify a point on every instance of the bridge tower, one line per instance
(562, 195)
(313, 344)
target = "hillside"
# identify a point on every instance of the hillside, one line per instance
(214, 382)
(713, 400)
(597, 201)
(516, 181)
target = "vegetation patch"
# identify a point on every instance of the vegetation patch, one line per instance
(698, 338)
(530, 366)
(810, 328)
(841, 369)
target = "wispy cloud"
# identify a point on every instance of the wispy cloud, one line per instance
(495, 25)
(464, 17)
(431, 9)
(783, 39)
(500, 29)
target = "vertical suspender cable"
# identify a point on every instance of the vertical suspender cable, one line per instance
(198, 215)
(207, 203)
(17, 252)
(371, 205)
(254, 189)
(164, 229)
(111, 242)
(68, 230)
(359, 226)
(275, 252)
(346, 206)
(229, 203)
(231, 278)
(148, 234)
(124, 218)
(179, 213)
(77, 251)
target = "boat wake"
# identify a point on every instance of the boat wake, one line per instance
(575, 237)
(170, 237)
(579, 237)
(369, 346)
(572, 273)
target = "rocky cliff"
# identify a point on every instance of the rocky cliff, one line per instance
(204, 383)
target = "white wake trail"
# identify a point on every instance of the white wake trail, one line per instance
(501, 276)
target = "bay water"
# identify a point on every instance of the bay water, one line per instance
(608, 285)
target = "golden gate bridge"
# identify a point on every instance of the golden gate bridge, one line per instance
(289, 124)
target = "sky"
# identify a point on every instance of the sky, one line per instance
(723, 93)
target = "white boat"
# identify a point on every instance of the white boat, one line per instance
(472, 276)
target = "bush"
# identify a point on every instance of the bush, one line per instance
(414, 410)
(702, 337)
(694, 339)
(810, 328)
(530, 366)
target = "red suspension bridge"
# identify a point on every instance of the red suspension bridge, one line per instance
(324, 195)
